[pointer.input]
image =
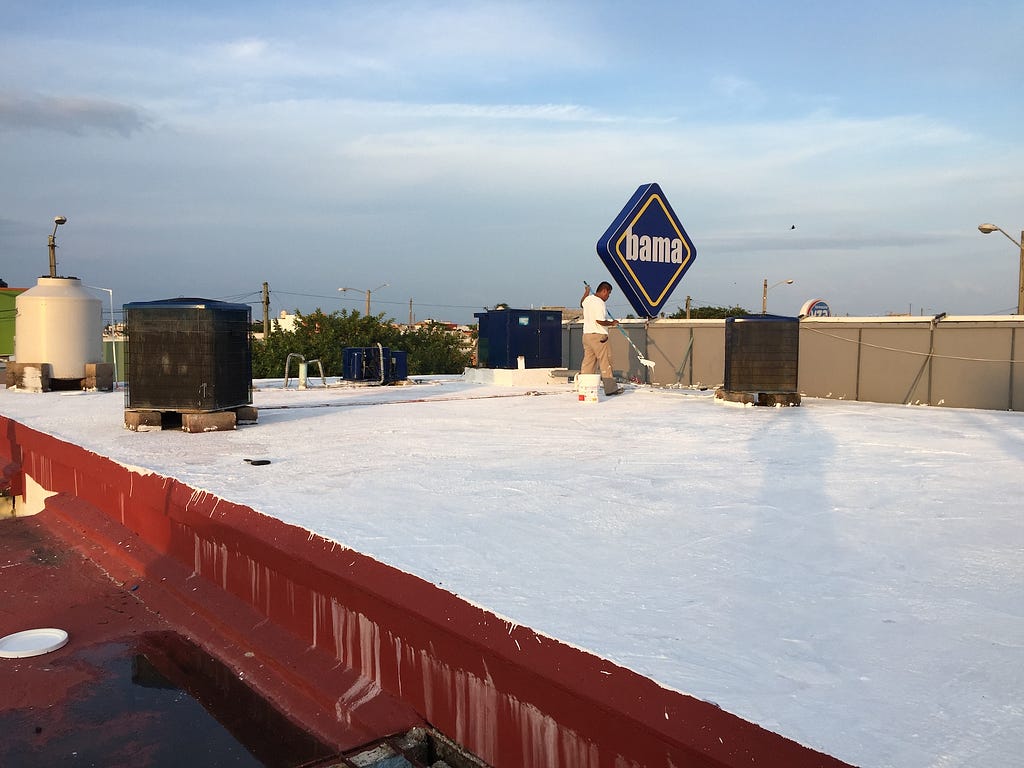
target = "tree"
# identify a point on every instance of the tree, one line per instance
(709, 313)
(320, 336)
(435, 348)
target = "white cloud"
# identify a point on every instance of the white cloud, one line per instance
(738, 90)
(247, 49)
(530, 34)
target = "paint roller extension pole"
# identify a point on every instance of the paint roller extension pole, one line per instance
(643, 360)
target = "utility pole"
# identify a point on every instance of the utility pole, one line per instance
(687, 307)
(1020, 277)
(266, 310)
(410, 312)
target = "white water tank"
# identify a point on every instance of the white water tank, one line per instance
(59, 322)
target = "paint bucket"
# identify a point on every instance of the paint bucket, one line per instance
(588, 387)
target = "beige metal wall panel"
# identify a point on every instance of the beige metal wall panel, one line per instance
(623, 358)
(666, 347)
(709, 355)
(893, 363)
(668, 342)
(828, 360)
(971, 366)
(882, 360)
(1018, 368)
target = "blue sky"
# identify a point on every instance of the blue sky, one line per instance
(471, 153)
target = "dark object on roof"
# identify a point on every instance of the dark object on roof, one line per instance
(189, 355)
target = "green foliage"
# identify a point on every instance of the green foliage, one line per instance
(709, 313)
(434, 348)
(320, 336)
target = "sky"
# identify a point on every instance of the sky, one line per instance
(849, 575)
(471, 153)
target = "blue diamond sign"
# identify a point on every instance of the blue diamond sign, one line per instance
(647, 250)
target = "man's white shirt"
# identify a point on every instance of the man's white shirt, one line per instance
(593, 310)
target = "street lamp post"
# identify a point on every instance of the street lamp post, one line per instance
(987, 229)
(764, 293)
(57, 221)
(367, 291)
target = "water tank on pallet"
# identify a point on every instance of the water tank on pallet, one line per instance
(59, 322)
(188, 355)
(762, 355)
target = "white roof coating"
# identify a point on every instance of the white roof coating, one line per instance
(850, 575)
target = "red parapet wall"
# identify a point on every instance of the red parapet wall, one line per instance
(509, 695)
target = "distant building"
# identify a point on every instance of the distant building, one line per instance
(444, 323)
(283, 322)
(569, 314)
(8, 311)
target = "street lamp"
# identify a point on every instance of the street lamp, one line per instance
(113, 340)
(367, 291)
(764, 293)
(987, 229)
(57, 221)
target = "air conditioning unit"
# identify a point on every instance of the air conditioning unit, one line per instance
(188, 355)
(374, 364)
(762, 354)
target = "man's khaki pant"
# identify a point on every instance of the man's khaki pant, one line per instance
(597, 354)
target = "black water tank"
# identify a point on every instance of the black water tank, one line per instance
(188, 355)
(761, 353)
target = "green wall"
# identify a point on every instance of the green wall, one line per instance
(8, 309)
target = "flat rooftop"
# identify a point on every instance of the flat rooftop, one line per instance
(849, 575)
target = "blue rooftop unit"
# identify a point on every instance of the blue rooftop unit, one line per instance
(374, 364)
(504, 335)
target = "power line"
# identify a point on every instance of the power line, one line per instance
(375, 300)
(239, 297)
(913, 352)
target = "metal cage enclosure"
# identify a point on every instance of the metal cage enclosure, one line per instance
(188, 355)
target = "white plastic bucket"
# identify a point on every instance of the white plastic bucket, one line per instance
(588, 387)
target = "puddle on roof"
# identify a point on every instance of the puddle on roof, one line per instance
(160, 702)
